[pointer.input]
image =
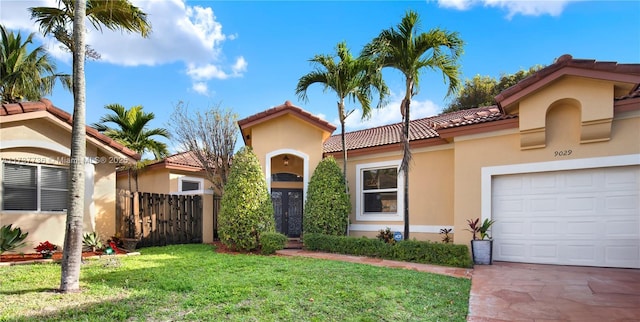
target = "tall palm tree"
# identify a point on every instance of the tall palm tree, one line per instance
(26, 75)
(131, 131)
(67, 23)
(112, 14)
(409, 51)
(350, 78)
(72, 251)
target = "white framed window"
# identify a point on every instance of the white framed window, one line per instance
(379, 191)
(34, 187)
(187, 184)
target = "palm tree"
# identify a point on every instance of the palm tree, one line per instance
(26, 75)
(408, 51)
(131, 131)
(350, 77)
(68, 26)
(112, 14)
(72, 251)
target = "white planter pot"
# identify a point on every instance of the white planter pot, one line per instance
(482, 251)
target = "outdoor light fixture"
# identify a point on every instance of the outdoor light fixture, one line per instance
(286, 160)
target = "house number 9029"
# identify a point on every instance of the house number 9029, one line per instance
(562, 153)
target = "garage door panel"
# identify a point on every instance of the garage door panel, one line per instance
(542, 205)
(515, 206)
(578, 205)
(544, 229)
(621, 202)
(587, 217)
(514, 251)
(622, 229)
(584, 228)
(626, 254)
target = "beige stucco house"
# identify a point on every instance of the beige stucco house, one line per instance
(556, 163)
(35, 142)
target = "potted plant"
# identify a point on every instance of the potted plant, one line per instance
(46, 249)
(482, 244)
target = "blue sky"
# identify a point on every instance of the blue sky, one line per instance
(249, 55)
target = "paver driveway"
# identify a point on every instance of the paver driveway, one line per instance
(528, 292)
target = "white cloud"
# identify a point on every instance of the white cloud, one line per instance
(513, 7)
(389, 114)
(200, 88)
(240, 66)
(180, 33)
(205, 72)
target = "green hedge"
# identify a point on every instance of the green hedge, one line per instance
(424, 252)
(328, 206)
(246, 210)
(271, 242)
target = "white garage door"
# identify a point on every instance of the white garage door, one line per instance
(587, 217)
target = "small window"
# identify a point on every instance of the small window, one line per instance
(380, 189)
(34, 187)
(378, 196)
(190, 184)
(285, 177)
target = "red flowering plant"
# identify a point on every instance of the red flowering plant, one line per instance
(46, 248)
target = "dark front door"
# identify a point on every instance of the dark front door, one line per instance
(287, 206)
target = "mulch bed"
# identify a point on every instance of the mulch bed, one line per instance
(12, 257)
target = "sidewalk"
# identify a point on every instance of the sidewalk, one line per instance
(442, 270)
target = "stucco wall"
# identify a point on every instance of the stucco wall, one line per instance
(430, 193)
(287, 132)
(47, 141)
(474, 152)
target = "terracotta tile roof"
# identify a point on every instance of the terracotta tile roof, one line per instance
(567, 65)
(46, 105)
(420, 129)
(285, 108)
(183, 159)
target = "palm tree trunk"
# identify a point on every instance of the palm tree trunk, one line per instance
(404, 167)
(72, 253)
(344, 143)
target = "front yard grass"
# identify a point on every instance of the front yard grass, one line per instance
(191, 282)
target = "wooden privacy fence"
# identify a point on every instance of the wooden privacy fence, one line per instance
(160, 219)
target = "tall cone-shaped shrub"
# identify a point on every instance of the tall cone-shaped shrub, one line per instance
(328, 206)
(246, 210)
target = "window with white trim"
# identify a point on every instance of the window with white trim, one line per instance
(190, 184)
(34, 187)
(379, 196)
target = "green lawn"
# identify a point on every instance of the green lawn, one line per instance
(191, 282)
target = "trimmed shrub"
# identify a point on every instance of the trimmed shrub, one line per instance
(328, 206)
(424, 252)
(246, 211)
(272, 242)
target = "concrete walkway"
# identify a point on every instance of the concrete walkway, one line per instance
(527, 292)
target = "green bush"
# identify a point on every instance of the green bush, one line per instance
(246, 211)
(11, 238)
(328, 206)
(424, 252)
(272, 242)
